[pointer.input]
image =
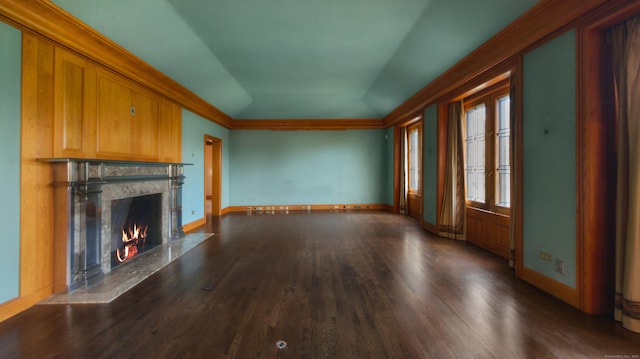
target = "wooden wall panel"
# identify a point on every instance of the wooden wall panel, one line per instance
(145, 125)
(47, 19)
(489, 231)
(170, 132)
(74, 110)
(36, 202)
(113, 124)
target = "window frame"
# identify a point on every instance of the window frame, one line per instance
(414, 126)
(489, 97)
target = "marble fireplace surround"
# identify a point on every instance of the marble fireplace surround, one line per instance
(83, 191)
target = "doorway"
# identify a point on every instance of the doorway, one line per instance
(212, 176)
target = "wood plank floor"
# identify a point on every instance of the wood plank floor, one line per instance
(332, 285)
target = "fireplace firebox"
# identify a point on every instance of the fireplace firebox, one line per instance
(107, 212)
(136, 226)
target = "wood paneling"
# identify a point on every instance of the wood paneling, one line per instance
(488, 230)
(170, 132)
(36, 195)
(113, 116)
(74, 108)
(47, 19)
(595, 137)
(128, 120)
(145, 124)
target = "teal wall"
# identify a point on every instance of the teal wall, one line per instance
(307, 167)
(549, 128)
(10, 82)
(430, 164)
(194, 128)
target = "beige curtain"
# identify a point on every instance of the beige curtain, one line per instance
(626, 45)
(452, 217)
(514, 170)
(403, 171)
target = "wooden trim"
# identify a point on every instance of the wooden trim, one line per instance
(541, 21)
(36, 192)
(224, 211)
(52, 22)
(397, 154)
(595, 156)
(551, 286)
(304, 207)
(216, 176)
(443, 119)
(20, 304)
(431, 228)
(387, 207)
(193, 225)
(308, 124)
(517, 211)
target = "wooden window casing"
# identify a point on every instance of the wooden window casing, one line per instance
(489, 174)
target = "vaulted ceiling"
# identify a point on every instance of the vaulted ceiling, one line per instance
(300, 59)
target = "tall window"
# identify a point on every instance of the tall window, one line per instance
(487, 167)
(414, 146)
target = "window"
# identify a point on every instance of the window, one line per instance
(414, 145)
(487, 151)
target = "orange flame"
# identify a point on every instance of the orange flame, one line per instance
(131, 238)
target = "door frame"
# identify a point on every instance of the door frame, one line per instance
(216, 174)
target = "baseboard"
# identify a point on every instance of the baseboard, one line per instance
(431, 228)
(551, 286)
(193, 225)
(305, 207)
(20, 304)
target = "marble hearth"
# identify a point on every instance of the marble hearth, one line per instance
(84, 190)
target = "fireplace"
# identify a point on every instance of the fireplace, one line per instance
(107, 212)
(136, 226)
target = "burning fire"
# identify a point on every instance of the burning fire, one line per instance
(131, 238)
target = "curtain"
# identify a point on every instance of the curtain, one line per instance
(452, 216)
(403, 171)
(513, 171)
(626, 47)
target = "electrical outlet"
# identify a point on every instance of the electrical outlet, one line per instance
(559, 266)
(193, 212)
(545, 256)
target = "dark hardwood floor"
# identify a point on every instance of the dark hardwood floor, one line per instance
(332, 285)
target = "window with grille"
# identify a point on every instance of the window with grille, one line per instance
(414, 145)
(487, 149)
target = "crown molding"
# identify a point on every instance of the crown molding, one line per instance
(546, 18)
(308, 124)
(46, 19)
